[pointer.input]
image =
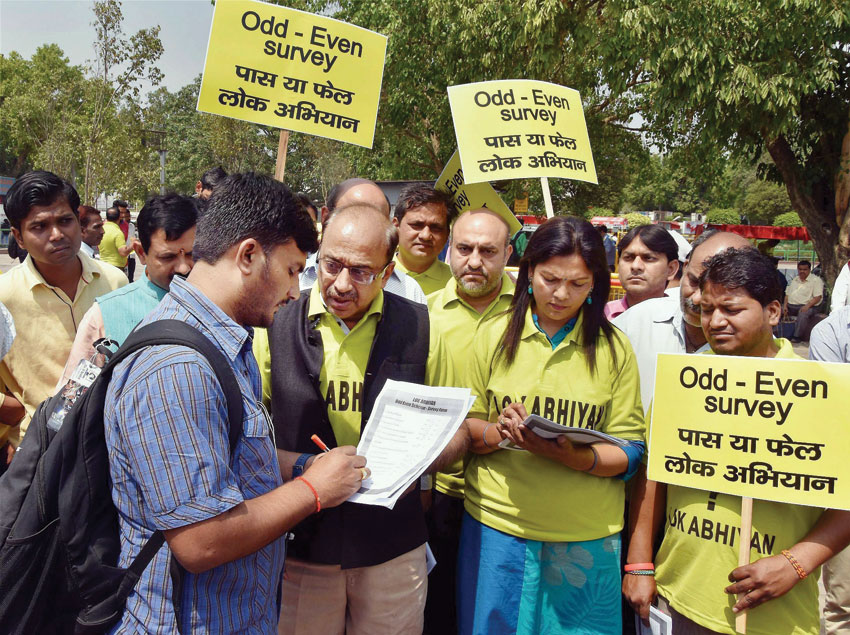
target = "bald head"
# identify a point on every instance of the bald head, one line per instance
(482, 219)
(364, 225)
(689, 297)
(355, 191)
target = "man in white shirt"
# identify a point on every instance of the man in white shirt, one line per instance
(803, 294)
(672, 324)
(91, 230)
(841, 290)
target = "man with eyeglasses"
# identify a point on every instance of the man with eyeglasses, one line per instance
(359, 568)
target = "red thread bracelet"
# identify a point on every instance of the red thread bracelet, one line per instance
(801, 572)
(640, 566)
(312, 489)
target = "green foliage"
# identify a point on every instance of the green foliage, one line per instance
(789, 219)
(636, 220)
(763, 201)
(719, 216)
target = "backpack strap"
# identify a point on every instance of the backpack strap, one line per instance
(175, 332)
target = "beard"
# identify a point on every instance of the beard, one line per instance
(256, 307)
(478, 289)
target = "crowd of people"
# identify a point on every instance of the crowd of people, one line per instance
(530, 535)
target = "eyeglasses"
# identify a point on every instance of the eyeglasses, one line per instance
(359, 275)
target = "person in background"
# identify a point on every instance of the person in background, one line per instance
(359, 191)
(802, 296)
(610, 247)
(308, 206)
(113, 246)
(91, 230)
(7, 338)
(532, 518)
(649, 259)
(841, 290)
(129, 229)
(480, 290)
(204, 188)
(739, 306)
(47, 294)
(166, 233)
(423, 216)
(830, 342)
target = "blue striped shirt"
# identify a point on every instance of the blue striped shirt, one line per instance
(170, 463)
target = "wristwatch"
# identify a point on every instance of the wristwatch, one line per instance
(298, 468)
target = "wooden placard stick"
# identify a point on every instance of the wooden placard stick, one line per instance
(280, 164)
(744, 553)
(547, 196)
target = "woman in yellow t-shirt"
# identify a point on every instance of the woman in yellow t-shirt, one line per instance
(540, 547)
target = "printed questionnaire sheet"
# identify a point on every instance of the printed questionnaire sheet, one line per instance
(409, 427)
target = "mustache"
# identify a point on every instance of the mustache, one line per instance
(336, 295)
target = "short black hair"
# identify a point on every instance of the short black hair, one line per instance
(37, 188)
(211, 178)
(87, 213)
(804, 263)
(746, 269)
(655, 238)
(172, 213)
(338, 190)
(252, 206)
(602, 229)
(119, 203)
(419, 194)
(112, 214)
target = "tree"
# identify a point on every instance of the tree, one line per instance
(763, 201)
(43, 112)
(636, 220)
(789, 219)
(770, 76)
(438, 43)
(723, 217)
(120, 65)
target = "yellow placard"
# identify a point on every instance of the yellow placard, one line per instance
(294, 70)
(521, 205)
(771, 429)
(520, 128)
(469, 196)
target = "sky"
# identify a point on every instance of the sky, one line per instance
(185, 25)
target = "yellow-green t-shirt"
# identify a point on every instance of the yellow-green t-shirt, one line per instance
(529, 496)
(432, 279)
(345, 356)
(113, 238)
(458, 322)
(700, 549)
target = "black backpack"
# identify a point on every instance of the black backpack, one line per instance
(59, 538)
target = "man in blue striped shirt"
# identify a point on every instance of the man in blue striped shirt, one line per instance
(224, 514)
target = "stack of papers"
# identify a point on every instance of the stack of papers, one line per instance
(409, 427)
(549, 430)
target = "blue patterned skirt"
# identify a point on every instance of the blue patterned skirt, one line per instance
(510, 585)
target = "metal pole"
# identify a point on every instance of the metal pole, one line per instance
(162, 172)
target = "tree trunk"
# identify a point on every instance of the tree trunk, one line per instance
(817, 215)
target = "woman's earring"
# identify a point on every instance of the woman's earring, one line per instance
(530, 290)
(589, 299)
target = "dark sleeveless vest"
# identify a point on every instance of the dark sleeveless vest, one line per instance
(351, 535)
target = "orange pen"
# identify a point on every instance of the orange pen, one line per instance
(315, 439)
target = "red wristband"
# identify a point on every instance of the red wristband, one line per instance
(640, 566)
(312, 489)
